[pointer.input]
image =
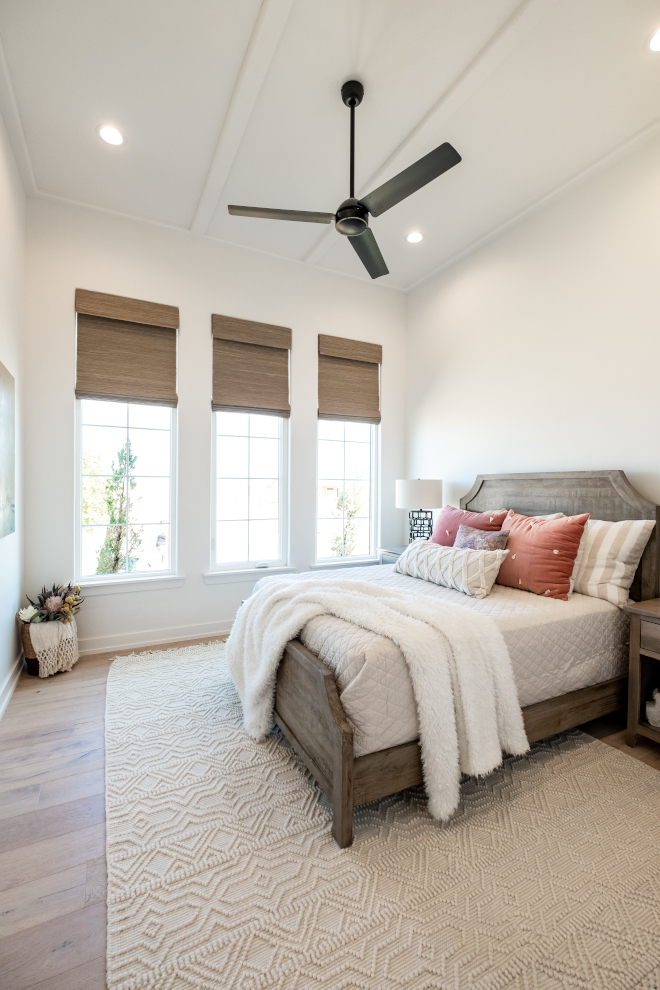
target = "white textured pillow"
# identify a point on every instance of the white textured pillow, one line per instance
(471, 571)
(611, 552)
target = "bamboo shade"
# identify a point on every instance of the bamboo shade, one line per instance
(349, 379)
(130, 310)
(125, 361)
(250, 367)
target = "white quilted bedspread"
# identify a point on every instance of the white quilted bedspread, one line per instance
(555, 647)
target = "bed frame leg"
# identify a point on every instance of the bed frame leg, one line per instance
(342, 795)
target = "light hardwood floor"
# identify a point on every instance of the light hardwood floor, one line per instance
(52, 826)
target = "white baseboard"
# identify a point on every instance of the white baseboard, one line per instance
(11, 681)
(152, 637)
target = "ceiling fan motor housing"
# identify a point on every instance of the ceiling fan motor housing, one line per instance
(352, 218)
(352, 93)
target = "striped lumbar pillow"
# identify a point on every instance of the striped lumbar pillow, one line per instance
(471, 571)
(611, 552)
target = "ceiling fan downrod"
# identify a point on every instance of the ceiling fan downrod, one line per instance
(352, 219)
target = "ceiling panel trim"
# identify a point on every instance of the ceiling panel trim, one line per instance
(425, 133)
(266, 35)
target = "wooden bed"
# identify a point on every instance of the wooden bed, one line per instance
(307, 705)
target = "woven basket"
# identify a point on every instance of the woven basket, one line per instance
(28, 649)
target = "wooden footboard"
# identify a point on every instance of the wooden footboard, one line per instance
(310, 714)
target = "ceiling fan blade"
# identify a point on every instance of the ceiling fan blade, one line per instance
(369, 253)
(411, 179)
(265, 214)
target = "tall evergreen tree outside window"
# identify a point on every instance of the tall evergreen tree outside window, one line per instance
(113, 557)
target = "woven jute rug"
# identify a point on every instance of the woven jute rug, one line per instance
(223, 872)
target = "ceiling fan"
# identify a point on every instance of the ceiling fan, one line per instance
(352, 217)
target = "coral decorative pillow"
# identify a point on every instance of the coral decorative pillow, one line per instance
(450, 519)
(542, 554)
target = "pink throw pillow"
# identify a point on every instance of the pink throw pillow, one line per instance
(541, 554)
(450, 519)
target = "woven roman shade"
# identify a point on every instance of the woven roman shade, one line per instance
(349, 379)
(250, 367)
(126, 349)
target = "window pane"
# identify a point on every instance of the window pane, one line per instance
(150, 452)
(104, 550)
(358, 460)
(232, 499)
(331, 459)
(330, 499)
(330, 429)
(231, 542)
(149, 500)
(104, 413)
(101, 499)
(264, 540)
(357, 499)
(264, 426)
(358, 431)
(356, 537)
(101, 448)
(329, 538)
(263, 499)
(232, 424)
(149, 548)
(232, 458)
(151, 417)
(264, 458)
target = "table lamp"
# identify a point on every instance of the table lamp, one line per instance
(420, 496)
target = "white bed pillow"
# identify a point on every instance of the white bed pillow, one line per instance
(611, 552)
(471, 571)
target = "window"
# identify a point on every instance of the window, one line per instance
(126, 497)
(345, 492)
(250, 490)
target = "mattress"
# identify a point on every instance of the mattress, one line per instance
(555, 647)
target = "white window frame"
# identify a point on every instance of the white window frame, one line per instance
(374, 510)
(132, 577)
(283, 496)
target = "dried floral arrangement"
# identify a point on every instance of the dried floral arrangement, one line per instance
(60, 602)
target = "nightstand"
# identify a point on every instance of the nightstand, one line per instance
(389, 555)
(644, 667)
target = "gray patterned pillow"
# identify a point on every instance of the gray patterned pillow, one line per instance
(469, 538)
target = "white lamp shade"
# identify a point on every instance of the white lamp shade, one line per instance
(421, 493)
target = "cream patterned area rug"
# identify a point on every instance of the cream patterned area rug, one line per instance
(223, 873)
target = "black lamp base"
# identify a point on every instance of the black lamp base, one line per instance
(420, 524)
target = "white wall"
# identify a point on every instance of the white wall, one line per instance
(12, 230)
(541, 351)
(69, 248)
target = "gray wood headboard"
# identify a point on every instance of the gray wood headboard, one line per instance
(604, 494)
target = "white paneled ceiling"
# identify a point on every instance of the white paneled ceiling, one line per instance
(225, 102)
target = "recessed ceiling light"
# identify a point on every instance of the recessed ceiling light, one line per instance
(655, 42)
(415, 237)
(111, 135)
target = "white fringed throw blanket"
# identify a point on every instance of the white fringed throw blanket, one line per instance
(56, 645)
(459, 667)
